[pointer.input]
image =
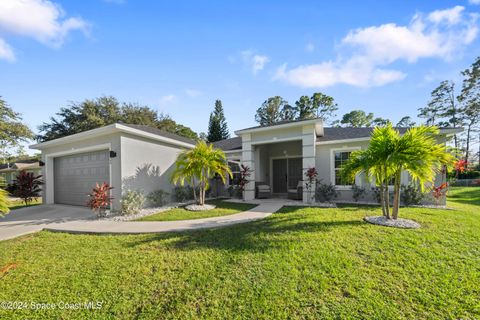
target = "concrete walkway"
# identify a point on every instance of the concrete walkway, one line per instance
(32, 219)
(136, 227)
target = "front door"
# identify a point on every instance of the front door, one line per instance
(286, 174)
(279, 168)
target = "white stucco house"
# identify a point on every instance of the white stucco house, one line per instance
(139, 157)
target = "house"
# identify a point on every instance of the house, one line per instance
(139, 157)
(9, 171)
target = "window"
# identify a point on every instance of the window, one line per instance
(235, 167)
(340, 157)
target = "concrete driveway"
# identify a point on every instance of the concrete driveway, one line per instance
(32, 219)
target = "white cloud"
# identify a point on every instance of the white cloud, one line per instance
(450, 16)
(474, 1)
(367, 51)
(193, 93)
(6, 52)
(167, 99)
(255, 61)
(309, 47)
(41, 20)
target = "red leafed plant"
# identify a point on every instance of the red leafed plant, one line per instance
(27, 186)
(245, 173)
(311, 175)
(100, 199)
(440, 191)
(461, 166)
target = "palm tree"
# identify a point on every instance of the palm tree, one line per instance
(199, 165)
(418, 153)
(389, 153)
(375, 163)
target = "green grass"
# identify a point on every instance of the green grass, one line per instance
(223, 208)
(17, 204)
(299, 263)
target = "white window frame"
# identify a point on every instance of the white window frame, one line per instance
(358, 181)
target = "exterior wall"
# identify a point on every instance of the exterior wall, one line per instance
(147, 165)
(107, 142)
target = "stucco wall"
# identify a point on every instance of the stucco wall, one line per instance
(147, 165)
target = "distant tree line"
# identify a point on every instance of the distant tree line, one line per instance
(94, 113)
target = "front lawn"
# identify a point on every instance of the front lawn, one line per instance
(17, 204)
(299, 263)
(223, 208)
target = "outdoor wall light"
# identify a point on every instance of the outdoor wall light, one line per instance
(113, 154)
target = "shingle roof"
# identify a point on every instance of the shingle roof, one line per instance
(279, 123)
(335, 133)
(229, 144)
(160, 132)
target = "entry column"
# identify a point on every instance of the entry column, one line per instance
(248, 159)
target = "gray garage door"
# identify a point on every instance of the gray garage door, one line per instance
(76, 175)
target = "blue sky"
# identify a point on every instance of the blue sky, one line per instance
(179, 56)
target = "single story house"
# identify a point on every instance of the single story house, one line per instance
(9, 171)
(139, 157)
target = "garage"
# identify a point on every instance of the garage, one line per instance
(75, 176)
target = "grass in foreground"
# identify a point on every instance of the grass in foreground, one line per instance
(223, 208)
(17, 204)
(298, 263)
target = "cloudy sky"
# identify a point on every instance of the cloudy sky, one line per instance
(179, 56)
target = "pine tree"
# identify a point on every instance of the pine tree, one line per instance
(217, 125)
(470, 101)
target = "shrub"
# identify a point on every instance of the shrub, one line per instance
(100, 199)
(132, 201)
(358, 192)
(183, 193)
(157, 198)
(325, 192)
(3, 182)
(234, 191)
(26, 186)
(376, 194)
(411, 194)
(3, 202)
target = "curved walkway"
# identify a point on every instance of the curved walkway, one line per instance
(135, 227)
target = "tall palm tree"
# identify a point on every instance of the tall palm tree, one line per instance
(199, 165)
(418, 153)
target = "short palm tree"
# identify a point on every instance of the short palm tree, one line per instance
(418, 153)
(389, 153)
(198, 166)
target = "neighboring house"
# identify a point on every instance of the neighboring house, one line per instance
(142, 158)
(9, 171)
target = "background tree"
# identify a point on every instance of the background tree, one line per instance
(406, 122)
(470, 100)
(324, 106)
(357, 119)
(380, 122)
(217, 125)
(304, 108)
(95, 113)
(436, 106)
(271, 111)
(12, 131)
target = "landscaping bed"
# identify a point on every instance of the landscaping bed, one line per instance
(222, 208)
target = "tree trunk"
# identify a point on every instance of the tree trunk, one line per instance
(467, 149)
(396, 196)
(382, 199)
(386, 193)
(194, 192)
